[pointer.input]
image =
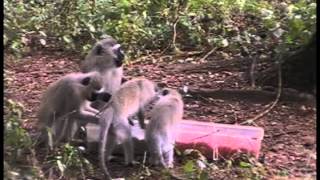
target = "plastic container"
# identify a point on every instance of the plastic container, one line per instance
(214, 140)
(211, 139)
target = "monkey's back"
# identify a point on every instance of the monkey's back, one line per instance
(126, 99)
(133, 95)
(57, 96)
(165, 115)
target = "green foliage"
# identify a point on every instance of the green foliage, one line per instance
(68, 160)
(148, 25)
(16, 138)
(192, 170)
(301, 22)
(17, 144)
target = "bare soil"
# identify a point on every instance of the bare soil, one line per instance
(289, 144)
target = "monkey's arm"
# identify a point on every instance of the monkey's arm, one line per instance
(88, 114)
(87, 109)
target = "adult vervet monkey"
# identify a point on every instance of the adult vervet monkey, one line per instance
(106, 57)
(66, 104)
(160, 132)
(132, 96)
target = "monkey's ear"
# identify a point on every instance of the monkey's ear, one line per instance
(123, 80)
(165, 92)
(98, 49)
(85, 81)
(159, 87)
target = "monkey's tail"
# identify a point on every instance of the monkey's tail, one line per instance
(106, 122)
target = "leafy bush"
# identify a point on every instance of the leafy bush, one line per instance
(148, 25)
(68, 160)
(17, 145)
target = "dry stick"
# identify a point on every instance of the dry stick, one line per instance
(251, 120)
(175, 33)
(165, 49)
(252, 78)
(208, 54)
(173, 37)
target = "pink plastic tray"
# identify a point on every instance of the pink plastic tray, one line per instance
(211, 139)
(215, 140)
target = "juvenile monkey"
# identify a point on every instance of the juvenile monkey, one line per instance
(132, 96)
(106, 57)
(66, 104)
(159, 135)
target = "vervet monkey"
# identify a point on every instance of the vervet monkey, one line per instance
(132, 96)
(66, 104)
(159, 135)
(106, 57)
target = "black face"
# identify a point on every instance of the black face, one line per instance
(93, 97)
(165, 92)
(104, 96)
(119, 56)
(109, 45)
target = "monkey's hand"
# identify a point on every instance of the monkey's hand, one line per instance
(88, 113)
(88, 109)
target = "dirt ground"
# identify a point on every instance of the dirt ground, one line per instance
(289, 145)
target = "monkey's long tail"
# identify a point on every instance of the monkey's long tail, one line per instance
(105, 122)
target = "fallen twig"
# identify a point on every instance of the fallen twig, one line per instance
(208, 54)
(251, 120)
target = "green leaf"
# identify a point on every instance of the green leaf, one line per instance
(204, 175)
(67, 39)
(244, 164)
(189, 167)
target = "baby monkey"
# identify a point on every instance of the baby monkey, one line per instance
(160, 132)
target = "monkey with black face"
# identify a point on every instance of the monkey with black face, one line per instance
(66, 104)
(106, 57)
(132, 96)
(159, 135)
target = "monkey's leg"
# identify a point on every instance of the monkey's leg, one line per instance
(111, 142)
(168, 153)
(60, 130)
(155, 149)
(123, 132)
(141, 117)
(73, 130)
